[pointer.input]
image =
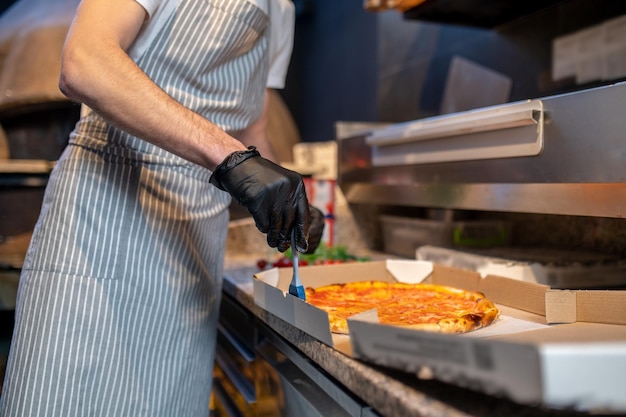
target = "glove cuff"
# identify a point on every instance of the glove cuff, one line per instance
(229, 163)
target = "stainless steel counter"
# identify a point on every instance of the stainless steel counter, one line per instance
(390, 393)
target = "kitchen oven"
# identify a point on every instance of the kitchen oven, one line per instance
(562, 154)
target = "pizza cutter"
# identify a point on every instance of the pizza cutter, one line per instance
(295, 287)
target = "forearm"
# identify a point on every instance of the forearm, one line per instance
(256, 134)
(109, 82)
(136, 105)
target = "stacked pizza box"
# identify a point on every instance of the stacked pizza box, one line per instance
(557, 268)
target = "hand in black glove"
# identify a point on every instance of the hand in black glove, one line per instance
(316, 229)
(275, 197)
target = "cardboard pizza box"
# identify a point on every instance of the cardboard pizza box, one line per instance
(271, 292)
(560, 269)
(559, 348)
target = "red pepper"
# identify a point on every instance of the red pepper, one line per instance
(282, 262)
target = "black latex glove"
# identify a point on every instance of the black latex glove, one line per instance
(275, 196)
(316, 229)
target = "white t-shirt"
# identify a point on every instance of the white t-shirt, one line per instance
(282, 20)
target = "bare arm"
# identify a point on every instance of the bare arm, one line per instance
(256, 134)
(97, 71)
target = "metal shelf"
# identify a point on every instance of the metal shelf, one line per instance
(578, 171)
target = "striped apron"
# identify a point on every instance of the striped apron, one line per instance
(119, 295)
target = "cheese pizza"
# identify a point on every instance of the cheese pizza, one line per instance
(426, 307)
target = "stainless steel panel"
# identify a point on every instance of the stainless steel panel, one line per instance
(580, 171)
(302, 395)
(601, 200)
(510, 130)
(233, 371)
(225, 401)
(243, 350)
(339, 395)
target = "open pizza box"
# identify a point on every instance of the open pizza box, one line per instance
(559, 348)
(561, 269)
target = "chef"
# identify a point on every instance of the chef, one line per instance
(119, 295)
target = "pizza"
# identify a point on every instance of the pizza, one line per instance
(428, 307)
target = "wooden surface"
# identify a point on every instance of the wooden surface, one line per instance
(25, 166)
(4, 145)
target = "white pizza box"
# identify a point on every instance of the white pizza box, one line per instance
(560, 348)
(579, 366)
(554, 267)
